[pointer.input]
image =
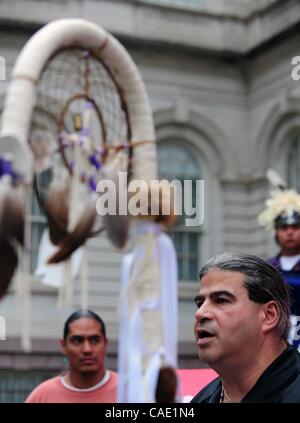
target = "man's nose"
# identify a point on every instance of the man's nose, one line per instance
(204, 311)
(87, 346)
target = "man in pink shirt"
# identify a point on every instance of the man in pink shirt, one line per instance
(87, 381)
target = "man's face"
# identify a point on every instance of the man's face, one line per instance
(288, 238)
(227, 323)
(85, 346)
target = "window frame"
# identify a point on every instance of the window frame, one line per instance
(181, 228)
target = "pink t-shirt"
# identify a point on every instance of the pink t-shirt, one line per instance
(56, 391)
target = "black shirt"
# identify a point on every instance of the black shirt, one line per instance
(280, 382)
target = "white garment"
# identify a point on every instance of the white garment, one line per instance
(144, 346)
(288, 262)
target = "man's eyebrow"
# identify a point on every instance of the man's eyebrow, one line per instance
(219, 293)
(214, 295)
(99, 335)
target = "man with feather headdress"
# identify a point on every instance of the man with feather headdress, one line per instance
(282, 216)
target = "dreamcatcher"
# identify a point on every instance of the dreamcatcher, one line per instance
(80, 133)
(76, 112)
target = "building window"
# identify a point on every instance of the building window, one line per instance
(15, 386)
(293, 162)
(176, 161)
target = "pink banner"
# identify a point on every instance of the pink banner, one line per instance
(193, 380)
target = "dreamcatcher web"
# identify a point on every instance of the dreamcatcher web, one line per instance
(74, 84)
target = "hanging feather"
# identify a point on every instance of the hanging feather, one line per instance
(78, 236)
(12, 209)
(275, 179)
(9, 263)
(117, 225)
(117, 228)
(8, 255)
(4, 194)
(56, 209)
(166, 387)
(15, 221)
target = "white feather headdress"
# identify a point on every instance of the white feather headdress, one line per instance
(282, 202)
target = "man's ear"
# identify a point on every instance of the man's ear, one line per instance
(271, 315)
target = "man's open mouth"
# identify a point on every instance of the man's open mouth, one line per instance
(204, 336)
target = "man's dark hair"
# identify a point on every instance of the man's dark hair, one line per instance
(86, 314)
(262, 281)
